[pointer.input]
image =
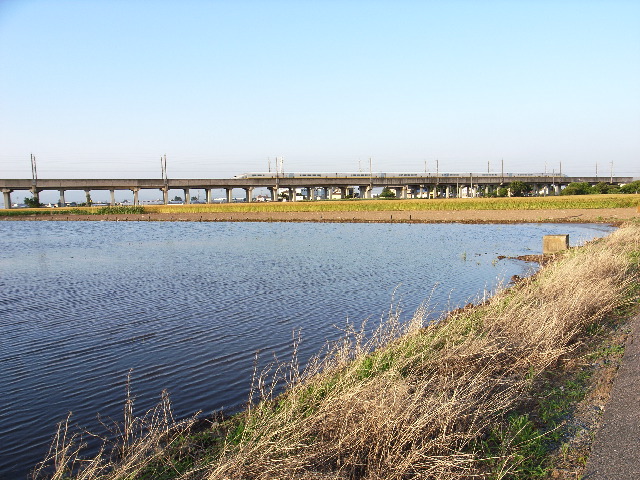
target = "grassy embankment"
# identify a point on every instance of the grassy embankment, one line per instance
(514, 203)
(484, 393)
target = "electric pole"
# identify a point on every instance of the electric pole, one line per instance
(34, 170)
(163, 166)
(611, 181)
(165, 180)
(34, 180)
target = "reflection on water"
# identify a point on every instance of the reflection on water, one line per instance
(187, 305)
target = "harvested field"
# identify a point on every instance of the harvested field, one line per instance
(604, 215)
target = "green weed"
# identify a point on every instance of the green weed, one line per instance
(119, 210)
(515, 450)
(606, 352)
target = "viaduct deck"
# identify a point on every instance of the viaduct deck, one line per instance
(436, 184)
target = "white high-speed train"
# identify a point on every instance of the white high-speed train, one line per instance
(386, 175)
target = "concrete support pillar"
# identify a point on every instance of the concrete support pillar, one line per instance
(274, 193)
(207, 193)
(248, 194)
(187, 195)
(326, 193)
(310, 193)
(364, 191)
(165, 195)
(447, 192)
(6, 193)
(292, 194)
(87, 196)
(135, 191)
(557, 189)
(343, 192)
(36, 195)
(61, 202)
(229, 195)
(113, 198)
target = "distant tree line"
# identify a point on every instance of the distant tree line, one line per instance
(521, 189)
(585, 188)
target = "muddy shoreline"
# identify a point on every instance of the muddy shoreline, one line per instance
(615, 216)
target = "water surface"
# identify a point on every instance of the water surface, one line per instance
(187, 306)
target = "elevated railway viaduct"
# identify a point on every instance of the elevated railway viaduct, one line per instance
(405, 186)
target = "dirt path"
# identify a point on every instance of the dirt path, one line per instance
(609, 215)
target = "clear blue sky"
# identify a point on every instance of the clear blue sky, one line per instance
(103, 88)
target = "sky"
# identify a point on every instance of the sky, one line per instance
(104, 88)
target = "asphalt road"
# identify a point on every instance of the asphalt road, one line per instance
(615, 452)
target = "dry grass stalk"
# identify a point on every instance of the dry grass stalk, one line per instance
(134, 444)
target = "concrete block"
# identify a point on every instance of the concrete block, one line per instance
(554, 243)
